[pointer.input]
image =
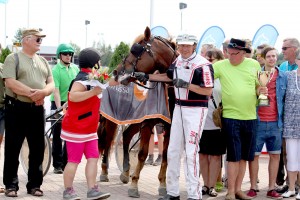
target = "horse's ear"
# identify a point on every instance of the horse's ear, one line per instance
(147, 33)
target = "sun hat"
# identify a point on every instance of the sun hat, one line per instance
(238, 44)
(36, 32)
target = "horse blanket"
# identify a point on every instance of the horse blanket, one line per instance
(133, 104)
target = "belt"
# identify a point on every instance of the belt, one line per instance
(192, 103)
(16, 102)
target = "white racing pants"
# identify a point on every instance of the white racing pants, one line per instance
(184, 140)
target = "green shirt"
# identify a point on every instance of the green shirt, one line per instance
(63, 77)
(238, 88)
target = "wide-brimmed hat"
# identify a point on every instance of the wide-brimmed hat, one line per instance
(238, 44)
(36, 32)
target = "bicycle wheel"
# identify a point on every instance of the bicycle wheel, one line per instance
(24, 153)
(134, 148)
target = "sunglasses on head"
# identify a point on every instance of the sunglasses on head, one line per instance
(285, 48)
(67, 53)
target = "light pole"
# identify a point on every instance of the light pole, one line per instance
(87, 22)
(181, 7)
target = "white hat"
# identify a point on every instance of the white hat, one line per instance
(186, 39)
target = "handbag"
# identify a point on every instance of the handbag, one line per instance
(217, 113)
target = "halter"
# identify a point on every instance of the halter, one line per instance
(137, 51)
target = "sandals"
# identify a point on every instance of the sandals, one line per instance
(11, 192)
(205, 190)
(212, 192)
(37, 192)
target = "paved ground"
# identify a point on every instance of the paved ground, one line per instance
(53, 183)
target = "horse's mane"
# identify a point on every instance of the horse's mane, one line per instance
(141, 37)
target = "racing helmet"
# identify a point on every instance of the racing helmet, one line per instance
(88, 57)
(64, 48)
(185, 38)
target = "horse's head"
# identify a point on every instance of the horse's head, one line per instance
(147, 55)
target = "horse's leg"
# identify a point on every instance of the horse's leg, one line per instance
(162, 189)
(106, 134)
(146, 131)
(131, 130)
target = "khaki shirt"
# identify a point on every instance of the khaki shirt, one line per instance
(1, 87)
(32, 72)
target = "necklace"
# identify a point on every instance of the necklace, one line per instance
(297, 80)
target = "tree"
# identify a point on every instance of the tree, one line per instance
(4, 54)
(76, 48)
(18, 37)
(120, 52)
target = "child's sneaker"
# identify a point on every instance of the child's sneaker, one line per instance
(70, 194)
(94, 193)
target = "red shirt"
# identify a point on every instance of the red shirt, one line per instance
(269, 113)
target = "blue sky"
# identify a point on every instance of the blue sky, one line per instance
(114, 21)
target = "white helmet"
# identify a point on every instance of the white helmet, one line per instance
(186, 39)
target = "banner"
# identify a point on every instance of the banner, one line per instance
(266, 34)
(3, 1)
(160, 31)
(213, 35)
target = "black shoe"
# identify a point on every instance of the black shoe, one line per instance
(58, 171)
(282, 189)
(169, 197)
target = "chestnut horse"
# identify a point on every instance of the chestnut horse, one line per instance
(156, 53)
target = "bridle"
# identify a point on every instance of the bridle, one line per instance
(141, 50)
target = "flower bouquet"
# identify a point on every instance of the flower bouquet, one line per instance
(100, 77)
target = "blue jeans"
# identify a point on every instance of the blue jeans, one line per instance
(241, 141)
(269, 133)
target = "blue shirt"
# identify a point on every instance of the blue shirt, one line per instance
(286, 66)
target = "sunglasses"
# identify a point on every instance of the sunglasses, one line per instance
(285, 48)
(234, 45)
(67, 53)
(211, 59)
(38, 40)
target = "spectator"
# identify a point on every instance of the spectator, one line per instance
(270, 124)
(205, 48)
(258, 56)
(28, 81)
(291, 129)
(160, 142)
(192, 77)
(289, 51)
(79, 127)
(238, 80)
(212, 140)
(2, 190)
(63, 73)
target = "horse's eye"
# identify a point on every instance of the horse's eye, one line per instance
(115, 73)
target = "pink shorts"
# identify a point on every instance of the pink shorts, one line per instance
(76, 150)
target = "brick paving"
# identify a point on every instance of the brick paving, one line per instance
(148, 184)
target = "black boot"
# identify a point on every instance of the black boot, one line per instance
(169, 197)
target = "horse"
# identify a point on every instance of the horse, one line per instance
(151, 53)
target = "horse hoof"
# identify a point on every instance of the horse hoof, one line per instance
(104, 178)
(133, 192)
(162, 191)
(124, 179)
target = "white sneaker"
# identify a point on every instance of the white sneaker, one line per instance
(288, 194)
(298, 196)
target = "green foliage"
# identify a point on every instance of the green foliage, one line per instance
(280, 59)
(18, 35)
(4, 54)
(120, 52)
(76, 48)
(106, 53)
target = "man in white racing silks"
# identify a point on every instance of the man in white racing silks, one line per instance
(192, 76)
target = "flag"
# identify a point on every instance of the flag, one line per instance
(266, 34)
(160, 31)
(213, 35)
(3, 1)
